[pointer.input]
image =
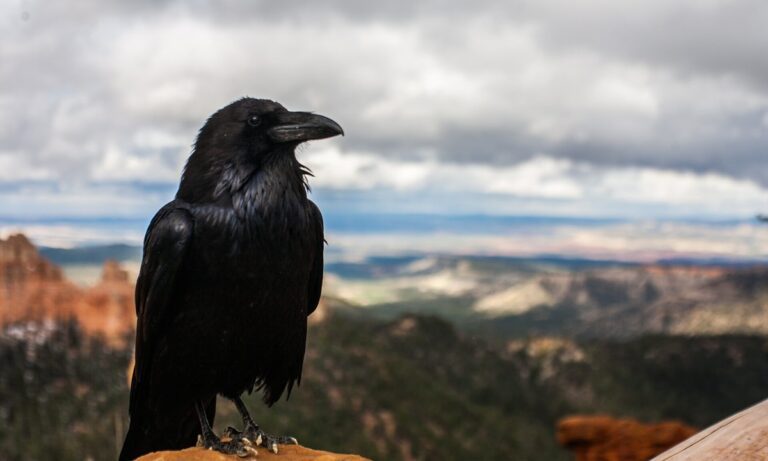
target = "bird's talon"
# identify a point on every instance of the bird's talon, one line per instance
(200, 442)
(292, 441)
(258, 440)
(273, 448)
(246, 442)
(245, 452)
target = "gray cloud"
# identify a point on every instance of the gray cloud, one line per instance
(693, 37)
(115, 91)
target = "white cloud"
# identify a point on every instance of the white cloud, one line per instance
(708, 190)
(117, 165)
(542, 177)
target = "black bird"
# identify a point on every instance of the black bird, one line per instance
(231, 269)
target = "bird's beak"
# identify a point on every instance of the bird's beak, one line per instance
(303, 126)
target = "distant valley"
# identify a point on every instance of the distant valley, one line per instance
(517, 297)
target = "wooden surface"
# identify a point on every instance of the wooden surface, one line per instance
(741, 437)
(285, 453)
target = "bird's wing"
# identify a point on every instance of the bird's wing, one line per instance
(165, 245)
(316, 274)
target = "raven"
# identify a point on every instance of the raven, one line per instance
(231, 269)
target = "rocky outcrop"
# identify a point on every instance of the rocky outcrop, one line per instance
(602, 438)
(20, 261)
(107, 309)
(34, 289)
(29, 284)
(285, 453)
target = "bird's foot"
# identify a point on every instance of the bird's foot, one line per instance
(241, 447)
(252, 433)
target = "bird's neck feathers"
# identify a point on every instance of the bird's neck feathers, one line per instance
(240, 180)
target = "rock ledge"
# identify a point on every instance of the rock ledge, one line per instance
(285, 453)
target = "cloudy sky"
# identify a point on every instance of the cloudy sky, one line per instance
(634, 109)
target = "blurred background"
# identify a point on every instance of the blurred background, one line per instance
(541, 221)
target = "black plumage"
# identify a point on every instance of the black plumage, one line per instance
(232, 267)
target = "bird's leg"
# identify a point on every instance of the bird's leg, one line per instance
(252, 431)
(209, 440)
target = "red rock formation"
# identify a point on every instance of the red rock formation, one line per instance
(34, 289)
(31, 285)
(602, 438)
(108, 308)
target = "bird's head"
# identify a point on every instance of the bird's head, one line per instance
(242, 137)
(261, 126)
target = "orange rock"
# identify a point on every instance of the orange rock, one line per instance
(113, 273)
(34, 289)
(107, 309)
(285, 453)
(602, 438)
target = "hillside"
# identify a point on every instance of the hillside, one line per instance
(412, 388)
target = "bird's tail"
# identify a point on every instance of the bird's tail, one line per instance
(172, 428)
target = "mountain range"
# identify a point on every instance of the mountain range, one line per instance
(527, 297)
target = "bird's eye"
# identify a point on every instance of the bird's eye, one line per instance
(254, 120)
